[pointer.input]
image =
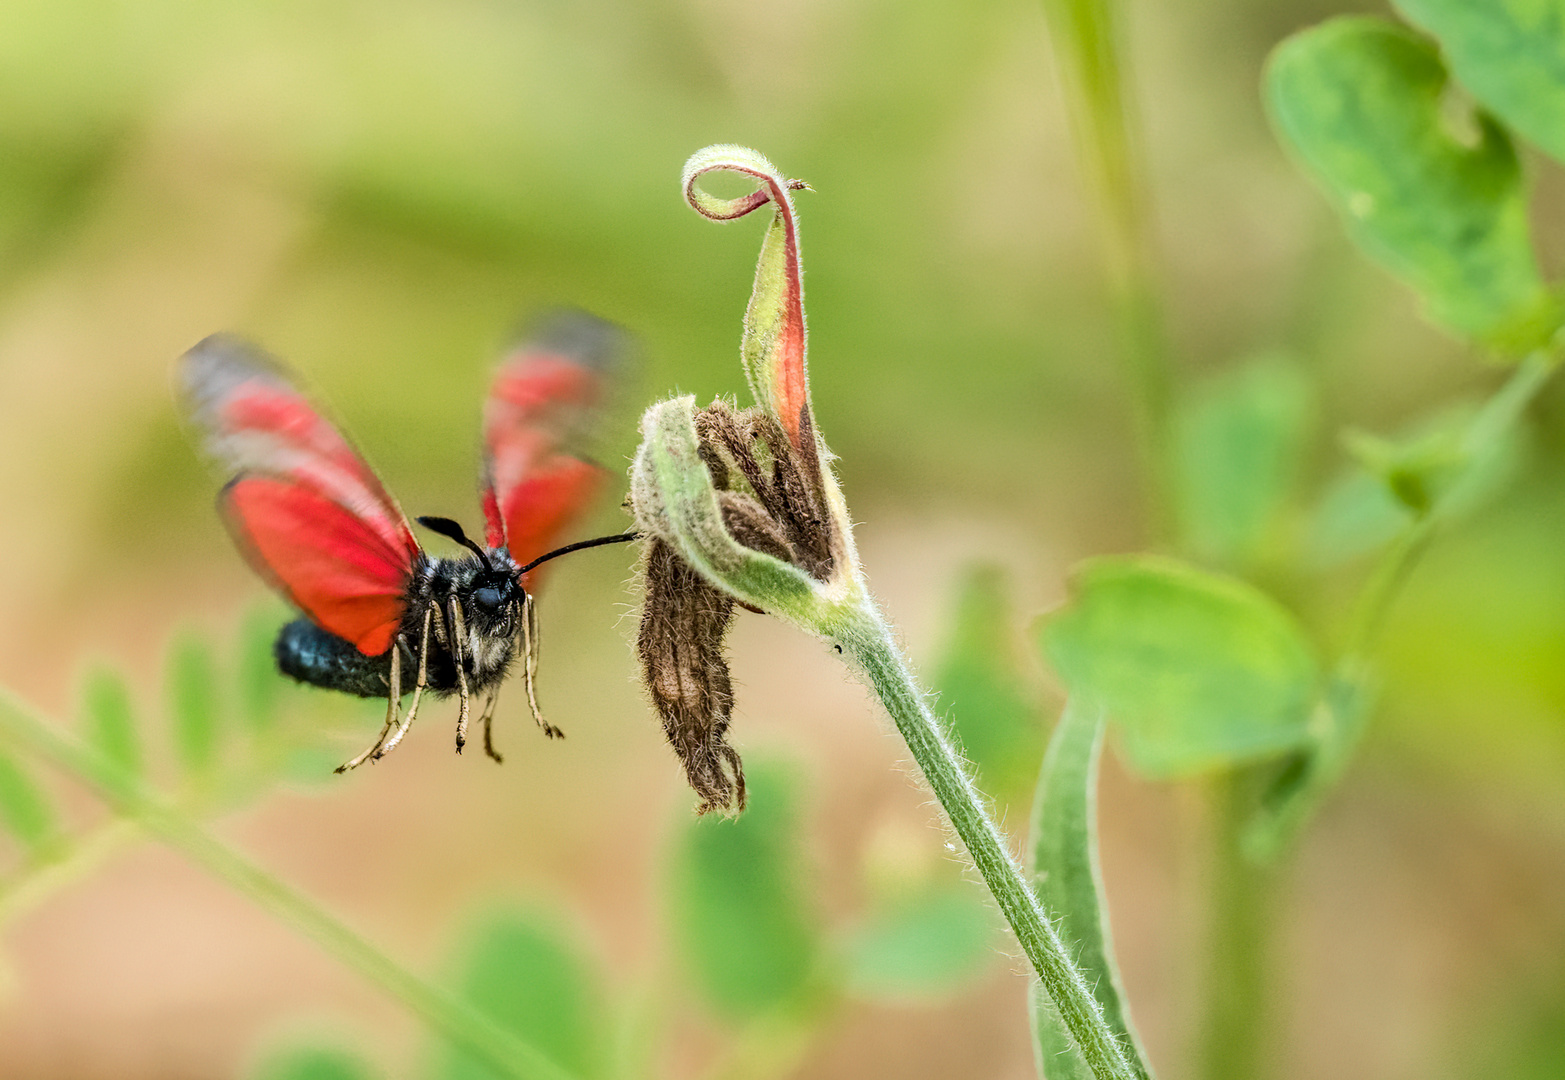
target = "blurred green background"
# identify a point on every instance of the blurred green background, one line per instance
(380, 193)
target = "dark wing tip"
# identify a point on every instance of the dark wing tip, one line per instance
(588, 340)
(212, 368)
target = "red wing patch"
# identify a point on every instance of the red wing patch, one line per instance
(538, 416)
(334, 569)
(309, 513)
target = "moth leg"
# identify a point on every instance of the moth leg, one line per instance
(458, 635)
(488, 719)
(530, 666)
(418, 688)
(393, 699)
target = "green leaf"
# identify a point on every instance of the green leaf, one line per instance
(1362, 103)
(536, 983)
(1509, 54)
(924, 946)
(25, 810)
(1239, 444)
(193, 702)
(994, 713)
(1198, 670)
(313, 1063)
(1064, 865)
(739, 909)
(111, 721)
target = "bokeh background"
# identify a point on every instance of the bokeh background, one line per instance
(381, 192)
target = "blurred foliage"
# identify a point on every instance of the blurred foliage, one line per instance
(533, 980)
(216, 768)
(994, 712)
(1197, 670)
(24, 809)
(1361, 102)
(312, 1062)
(1508, 54)
(746, 926)
(1240, 444)
(923, 944)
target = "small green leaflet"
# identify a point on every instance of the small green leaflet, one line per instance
(25, 811)
(193, 702)
(111, 720)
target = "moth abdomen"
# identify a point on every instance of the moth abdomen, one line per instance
(320, 658)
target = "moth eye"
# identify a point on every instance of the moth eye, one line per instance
(488, 597)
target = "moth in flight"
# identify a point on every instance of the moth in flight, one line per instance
(381, 616)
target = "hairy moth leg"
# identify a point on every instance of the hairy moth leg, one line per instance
(458, 637)
(530, 665)
(488, 719)
(418, 688)
(393, 699)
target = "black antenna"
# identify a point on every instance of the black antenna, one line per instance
(447, 527)
(622, 538)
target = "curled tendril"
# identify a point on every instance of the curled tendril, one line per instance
(729, 157)
(774, 329)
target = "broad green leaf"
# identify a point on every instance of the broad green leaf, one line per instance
(980, 681)
(25, 811)
(740, 915)
(111, 721)
(1361, 102)
(535, 982)
(1064, 865)
(313, 1063)
(193, 702)
(1239, 445)
(1509, 54)
(923, 946)
(1199, 671)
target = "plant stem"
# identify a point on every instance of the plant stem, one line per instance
(1234, 1030)
(868, 644)
(81, 855)
(449, 1016)
(1087, 47)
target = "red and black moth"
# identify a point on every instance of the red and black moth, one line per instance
(382, 617)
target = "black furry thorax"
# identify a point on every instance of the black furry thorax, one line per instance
(472, 608)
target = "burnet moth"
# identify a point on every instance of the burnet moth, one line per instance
(382, 617)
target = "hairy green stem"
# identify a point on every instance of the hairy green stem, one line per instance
(868, 645)
(449, 1016)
